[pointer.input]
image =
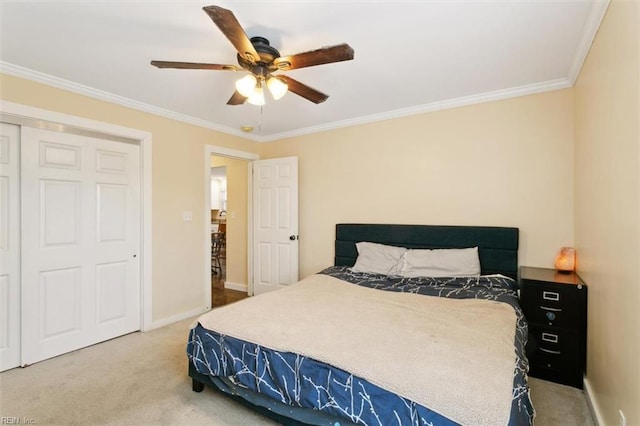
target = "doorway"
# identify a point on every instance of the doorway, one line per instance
(218, 190)
(227, 207)
(240, 273)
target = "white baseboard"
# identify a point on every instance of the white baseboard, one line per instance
(175, 318)
(592, 403)
(235, 286)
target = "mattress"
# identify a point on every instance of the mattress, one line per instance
(330, 373)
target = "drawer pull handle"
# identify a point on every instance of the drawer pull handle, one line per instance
(551, 295)
(549, 351)
(546, 308)
(551, 338)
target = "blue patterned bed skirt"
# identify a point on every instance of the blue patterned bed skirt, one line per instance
(300, 381)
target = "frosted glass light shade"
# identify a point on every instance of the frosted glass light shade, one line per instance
(257, 97)
(277, 87)
(566, 259)
(246, 85)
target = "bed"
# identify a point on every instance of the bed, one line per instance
(352, 346)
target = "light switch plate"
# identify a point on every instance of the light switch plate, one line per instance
(187, 216)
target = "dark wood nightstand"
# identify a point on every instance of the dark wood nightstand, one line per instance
(555, 305)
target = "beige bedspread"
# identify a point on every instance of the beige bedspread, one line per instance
(455, 357)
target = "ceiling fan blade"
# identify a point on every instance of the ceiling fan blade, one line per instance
(231, 28)
(237, 99)
(303, 90)
(195, 66)
(324, 55)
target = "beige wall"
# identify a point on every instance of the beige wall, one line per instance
(506, 163)
(178, 184)
(237, 220)
(607, 214)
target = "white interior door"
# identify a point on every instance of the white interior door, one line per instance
(275, 223)
(9, 247)
(80, 241)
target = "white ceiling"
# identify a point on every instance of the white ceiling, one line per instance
(410, 56)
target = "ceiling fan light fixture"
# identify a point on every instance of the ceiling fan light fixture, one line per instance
(257, 97)
(247, 85)
(277, 87)
(257, 56)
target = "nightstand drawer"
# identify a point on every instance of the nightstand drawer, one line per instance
(552, 344)
(553, 306)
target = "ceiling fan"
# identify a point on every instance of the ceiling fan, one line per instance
(257, 56)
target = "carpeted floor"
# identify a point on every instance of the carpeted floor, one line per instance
(141, 379)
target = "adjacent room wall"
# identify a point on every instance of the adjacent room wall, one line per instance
(178, 185)
(504, 163)
(607, 213)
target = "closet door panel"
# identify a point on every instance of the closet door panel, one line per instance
(80, 240)
(9, 247)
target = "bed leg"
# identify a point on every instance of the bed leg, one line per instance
(197, 386)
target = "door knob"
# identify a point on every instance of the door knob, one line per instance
(293, 237)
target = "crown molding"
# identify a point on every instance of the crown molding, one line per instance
(60, 83)
(514, 92)
(596, 14)
(529, 89)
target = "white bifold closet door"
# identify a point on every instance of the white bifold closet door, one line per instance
(9, 246)
(80, 212)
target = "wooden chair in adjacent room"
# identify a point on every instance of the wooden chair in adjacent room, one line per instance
(218, 251)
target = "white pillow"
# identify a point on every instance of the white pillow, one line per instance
(440, 263)
(378, 258)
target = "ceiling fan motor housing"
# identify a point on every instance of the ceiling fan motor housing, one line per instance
(267, 54)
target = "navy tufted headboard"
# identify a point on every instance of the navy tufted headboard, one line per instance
(497, 246)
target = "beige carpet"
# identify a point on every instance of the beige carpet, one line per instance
(559, 405)
(141, 379)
